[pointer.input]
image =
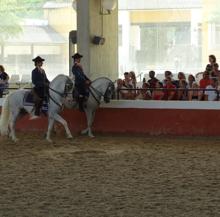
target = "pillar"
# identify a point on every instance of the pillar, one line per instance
(98, 60)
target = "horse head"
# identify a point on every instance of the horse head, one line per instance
(110, 92)
(61, 89)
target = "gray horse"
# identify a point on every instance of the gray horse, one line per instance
(60, 93)
(101, 87)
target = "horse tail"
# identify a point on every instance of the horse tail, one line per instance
(4, 120)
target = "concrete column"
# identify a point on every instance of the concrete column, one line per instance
(99, 60)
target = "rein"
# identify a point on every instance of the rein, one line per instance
(98, 93)
(63, 95)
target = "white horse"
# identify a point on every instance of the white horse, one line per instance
(101, 87)
(60, 93)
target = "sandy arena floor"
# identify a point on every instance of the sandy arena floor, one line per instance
(110, 176)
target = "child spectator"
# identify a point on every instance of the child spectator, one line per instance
(158, 94)
(170, 91)
(191, 80)
(211, 91)
(127, 82)
(124, 93)
(166, 75)
(193, 94)
(203, 83)
(144, 93)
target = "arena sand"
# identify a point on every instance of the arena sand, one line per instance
(110, 176)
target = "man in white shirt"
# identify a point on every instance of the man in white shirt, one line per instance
(211, 91)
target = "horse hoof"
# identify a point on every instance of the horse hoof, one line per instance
(50, 140)
(91, 136)
(83, 132)
(69, 137)
(15, 140)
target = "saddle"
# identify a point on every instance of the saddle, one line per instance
(29, 101)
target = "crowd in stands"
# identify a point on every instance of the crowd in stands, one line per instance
(183, 88)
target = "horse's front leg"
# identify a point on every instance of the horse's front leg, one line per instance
(49, 129)
(64, 123)
(90, 115)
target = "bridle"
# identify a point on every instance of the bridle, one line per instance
(68, 86)
(93, 90)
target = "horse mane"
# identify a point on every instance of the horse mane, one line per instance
(57, 77)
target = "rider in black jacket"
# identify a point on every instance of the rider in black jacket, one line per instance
(41, 85)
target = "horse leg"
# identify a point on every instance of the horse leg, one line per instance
(12, 122)
(90, 114)
(50, 127)
(64, 123)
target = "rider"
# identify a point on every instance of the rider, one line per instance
(41, 85)
(82, 82)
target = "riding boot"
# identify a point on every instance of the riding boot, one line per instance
(81, 103)
(37, 105)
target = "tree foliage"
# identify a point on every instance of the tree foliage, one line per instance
(13, 11)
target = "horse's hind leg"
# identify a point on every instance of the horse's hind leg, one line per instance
(12, 121)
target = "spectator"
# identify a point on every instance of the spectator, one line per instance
(191, 80)
(209, 67)
(182, 92)
(3, 80)
(124, 93)
(215, 71)
(181, 76)
(193, 94)
(144, 93)
(153, 80)
(134, 83)
(133, 79)
(127, 82)
(211, 91)
(203, 83)
(170, 92)
(166, 75)
(212, 61)
(158, 93)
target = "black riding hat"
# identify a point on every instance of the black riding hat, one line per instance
(77, 56)
(38, 59)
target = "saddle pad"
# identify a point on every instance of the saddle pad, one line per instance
(29, 101)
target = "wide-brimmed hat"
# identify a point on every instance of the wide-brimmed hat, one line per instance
(38, 59)
(77, 56)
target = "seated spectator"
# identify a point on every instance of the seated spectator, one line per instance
(170, 91)
(133, 82)
(133, 79)
(203, 83)
(153, 80)
(191, 80)
(211, 91)
(3, 80)
(122, 94)
(181, 76)
(127, 82)
(144, 93)
(215, 70)
(182, 91)
(158, 94)
(166, 75)
(193, 94)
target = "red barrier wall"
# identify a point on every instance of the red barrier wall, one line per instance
(132, 120)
